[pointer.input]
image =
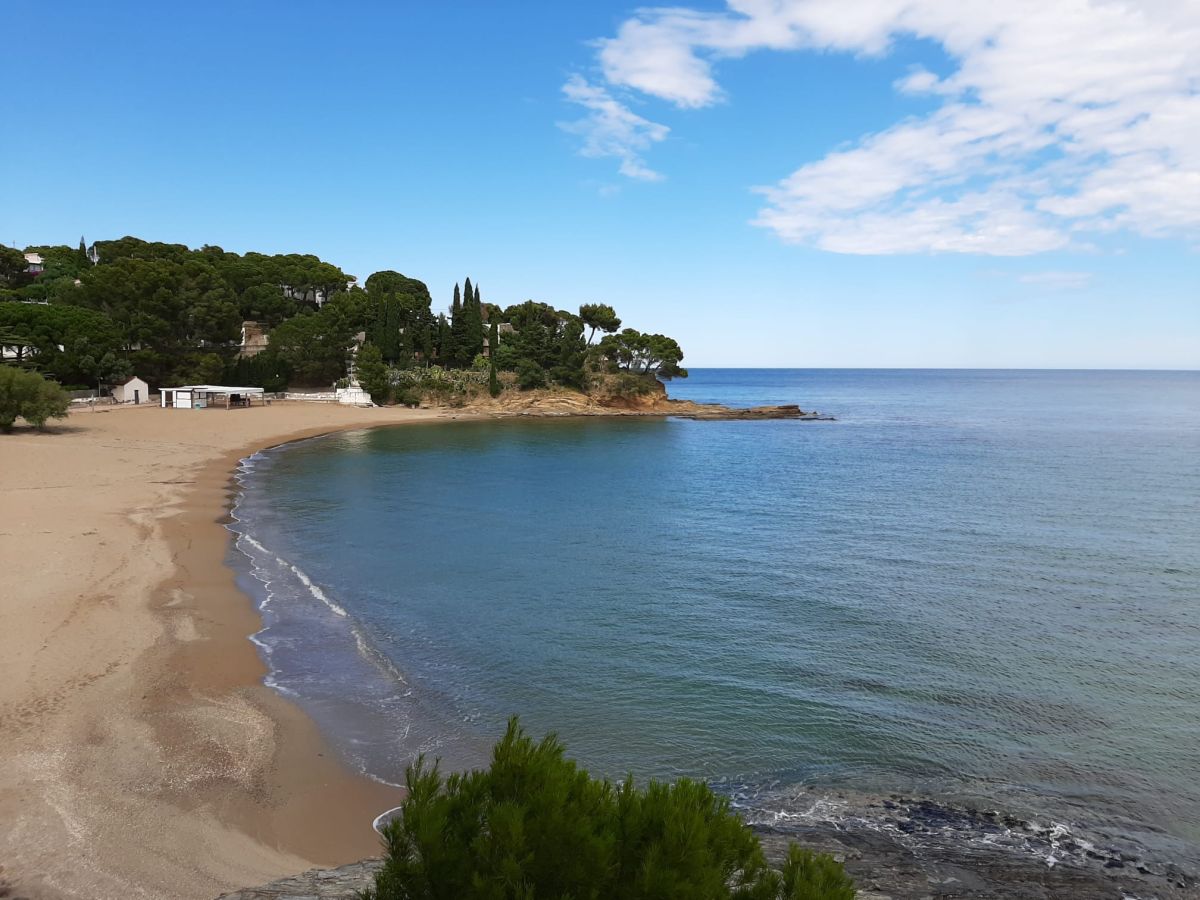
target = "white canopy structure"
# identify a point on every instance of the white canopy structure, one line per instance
(201, 396)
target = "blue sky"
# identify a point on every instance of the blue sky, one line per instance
(772, 184)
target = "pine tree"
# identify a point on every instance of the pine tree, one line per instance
(535, 824)
(373, 374)
(395, 323)
(388, 333)
(384, 332)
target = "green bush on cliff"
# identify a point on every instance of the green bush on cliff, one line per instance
(29, 396)
(535, 826)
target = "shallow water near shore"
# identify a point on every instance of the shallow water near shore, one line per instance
(981, 588)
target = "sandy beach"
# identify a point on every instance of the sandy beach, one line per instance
(141, 754)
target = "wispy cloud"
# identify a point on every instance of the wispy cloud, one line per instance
(612, 129)
(1058, 281)
(1063, 118)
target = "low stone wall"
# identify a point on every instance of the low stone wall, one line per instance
(312, 396)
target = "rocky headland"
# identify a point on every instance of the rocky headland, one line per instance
(604, 398)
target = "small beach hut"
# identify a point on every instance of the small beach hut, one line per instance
(202, 396)
(132, 391)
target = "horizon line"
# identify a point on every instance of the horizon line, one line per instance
(944, 369)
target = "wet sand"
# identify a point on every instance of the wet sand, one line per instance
(141, 754)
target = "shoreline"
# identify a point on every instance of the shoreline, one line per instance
(310, 786)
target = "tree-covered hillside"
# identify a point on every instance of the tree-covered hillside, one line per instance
(172, 314)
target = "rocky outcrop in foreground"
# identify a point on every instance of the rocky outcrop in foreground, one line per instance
(949, 863)
(342, 883)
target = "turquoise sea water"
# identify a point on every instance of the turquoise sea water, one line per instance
(977, 586)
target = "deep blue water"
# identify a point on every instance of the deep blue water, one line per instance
(977, 585)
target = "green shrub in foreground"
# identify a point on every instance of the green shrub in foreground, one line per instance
(29, 396)
(536, 826)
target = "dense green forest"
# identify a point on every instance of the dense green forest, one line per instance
(174, 315)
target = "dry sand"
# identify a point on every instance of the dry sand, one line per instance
(140, 754)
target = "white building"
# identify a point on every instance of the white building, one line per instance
(34, 264)
(132, 391)
(202, 396)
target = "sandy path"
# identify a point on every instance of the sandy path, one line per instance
(140, 756)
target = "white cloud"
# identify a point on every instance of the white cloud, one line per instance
(1058, 281)
(612, 129)
(922, 81)
(1062, 117)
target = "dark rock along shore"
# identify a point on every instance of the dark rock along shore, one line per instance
(909, 848)
(914, 849)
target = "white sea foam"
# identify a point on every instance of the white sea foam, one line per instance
(261, 574)
(373, 655)
(316, 591)
(253, 543)
(262, 645)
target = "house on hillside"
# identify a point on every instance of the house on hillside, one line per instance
(254, 340)
(314, 295)
(502, 329)
(132, 391)
(310, 294)
(22, 351)
(34, 263)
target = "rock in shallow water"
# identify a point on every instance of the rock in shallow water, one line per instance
(916, 860)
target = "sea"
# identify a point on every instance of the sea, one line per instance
(977, 590)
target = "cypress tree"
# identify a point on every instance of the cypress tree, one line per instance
(477, 305)
(473, 330)
(424, 329)
(441, 338)
(458, 332)
(493, 344)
